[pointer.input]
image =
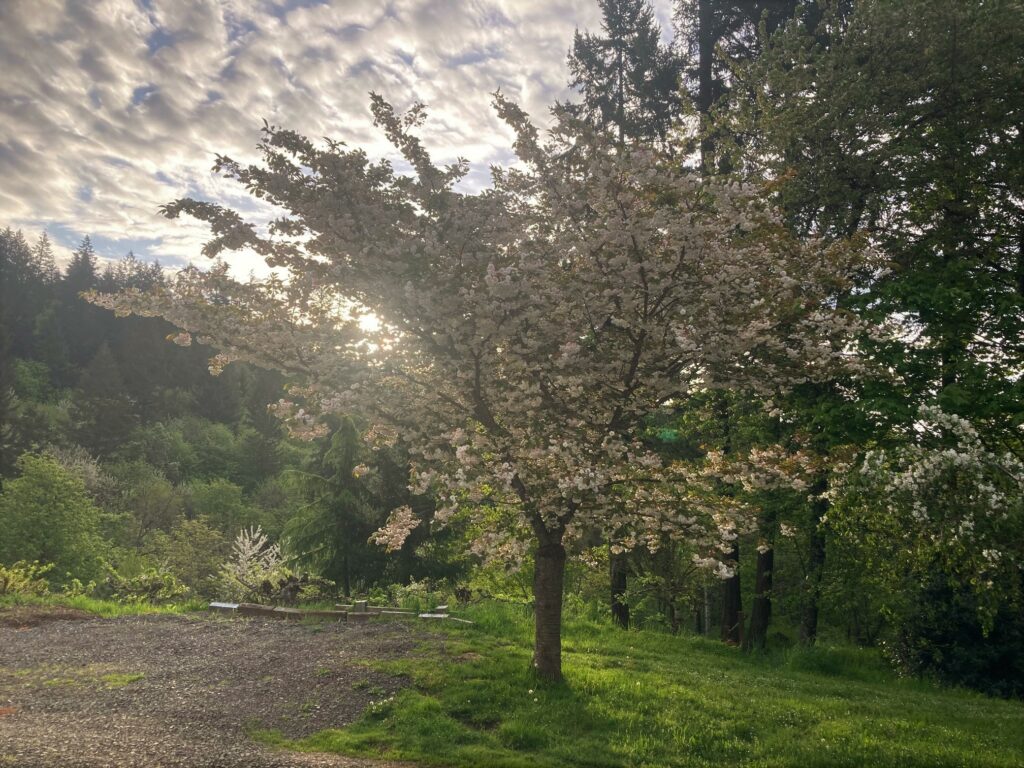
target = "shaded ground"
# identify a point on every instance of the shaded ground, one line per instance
(181, 690)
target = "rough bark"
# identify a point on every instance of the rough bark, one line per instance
(548, 584)
(732, 602)
(761, 610)
(617, 566)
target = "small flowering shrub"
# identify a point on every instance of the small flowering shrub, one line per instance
(254, 561)
(256, 573)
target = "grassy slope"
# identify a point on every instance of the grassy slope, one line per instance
(646, 699)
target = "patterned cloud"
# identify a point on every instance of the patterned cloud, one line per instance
(112, 107)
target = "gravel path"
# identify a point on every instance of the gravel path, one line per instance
(183, 690)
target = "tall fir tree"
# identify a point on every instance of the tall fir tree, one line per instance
(81, 325)
(629, 82)
(45, 263)
(19, 290)
(627, 77)
(713, 37)
(331, 531)
(901, 121)
(6, 381)
(81, 271)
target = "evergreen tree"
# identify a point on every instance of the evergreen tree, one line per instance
(19, 290)
(45, 263)
(331, 532)
(6, 393)
(48, 344)
(902, 121)
(104, 414)
(629, 83)
(628, 79)
(714, 37)
(81, 271)
(81, 325)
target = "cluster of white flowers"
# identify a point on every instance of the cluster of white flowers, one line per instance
(945, 497)
(400, 523)
(253, 559)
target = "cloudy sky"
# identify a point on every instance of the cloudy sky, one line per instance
(109, 108)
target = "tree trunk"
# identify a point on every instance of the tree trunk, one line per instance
(346, 578)
(548, 583)
(617, 566)
(732, 601)
(761, 612)
(705, 80)
(707, 611)
(815, 569)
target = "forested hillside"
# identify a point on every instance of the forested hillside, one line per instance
(129, 470)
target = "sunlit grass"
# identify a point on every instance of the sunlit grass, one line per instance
(648, 699)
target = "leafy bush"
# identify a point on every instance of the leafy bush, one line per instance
(420, 595)
(937, 526)
(23, 578)
(193, 551)
(153, 585)
(942, 635)
(220, 502)
(46, 515)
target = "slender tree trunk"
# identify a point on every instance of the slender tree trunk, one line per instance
(707, 611)
(815, 569)
(346, 577)
(548, 584)
(617, 567)
(732, 602)
(705, 80)
(761, 611)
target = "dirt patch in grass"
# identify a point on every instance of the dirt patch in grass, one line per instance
(24, 616)
(183, 690)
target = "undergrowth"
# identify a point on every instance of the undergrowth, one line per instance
(103, 608)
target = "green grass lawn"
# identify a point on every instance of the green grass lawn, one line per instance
(649, 699)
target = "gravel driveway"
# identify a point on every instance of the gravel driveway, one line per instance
(182, 690)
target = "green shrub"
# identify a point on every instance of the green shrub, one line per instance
(153, 585)
(192, 551)
(23, 578)
(46, 515)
